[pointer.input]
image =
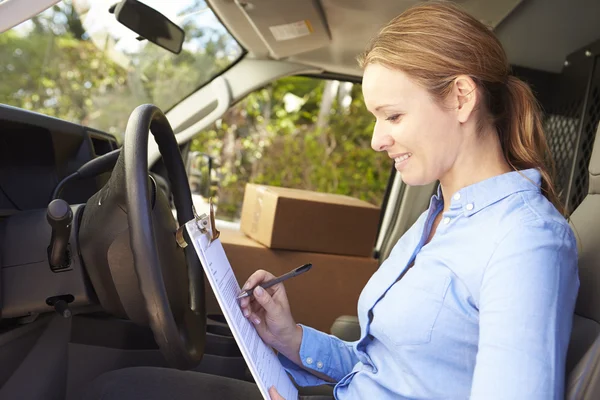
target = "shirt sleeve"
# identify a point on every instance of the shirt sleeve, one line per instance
(322, 353)
(526, 306)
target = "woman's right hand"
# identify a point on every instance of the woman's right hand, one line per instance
(269, 311)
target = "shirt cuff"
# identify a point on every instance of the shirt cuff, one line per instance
(315, 353)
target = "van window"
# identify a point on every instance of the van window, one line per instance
(298, 132)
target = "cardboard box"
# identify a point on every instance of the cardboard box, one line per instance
(293, 219)
(330, 289)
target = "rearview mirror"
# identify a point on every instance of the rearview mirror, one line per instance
(150, 25)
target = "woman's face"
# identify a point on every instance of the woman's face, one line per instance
(422, 136)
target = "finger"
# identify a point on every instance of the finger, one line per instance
(258, 311)
(245, 306)
(253, 307)
(255, 319)
(245, 302)
(256, 308)
(257, 278)
(274, 289)
(246, 311)
(262, 297)
(274, 394)
(248, 303)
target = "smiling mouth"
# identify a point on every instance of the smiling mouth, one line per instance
(402, 157)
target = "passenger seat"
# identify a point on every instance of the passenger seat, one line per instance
(583, 359)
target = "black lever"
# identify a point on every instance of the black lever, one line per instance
(60, 217)
(61, 304)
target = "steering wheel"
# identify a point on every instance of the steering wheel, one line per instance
(127, 241)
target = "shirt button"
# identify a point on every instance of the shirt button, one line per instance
(447, 220)
(457, 196)
(309, 360)
(470, 206)
(319, 365)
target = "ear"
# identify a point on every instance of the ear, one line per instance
(465, 95)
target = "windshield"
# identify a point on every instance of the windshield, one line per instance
(76, 62)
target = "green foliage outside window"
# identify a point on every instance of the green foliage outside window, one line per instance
(260, 141)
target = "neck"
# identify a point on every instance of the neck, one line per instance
(481, 158)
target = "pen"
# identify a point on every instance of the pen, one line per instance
(265, 285)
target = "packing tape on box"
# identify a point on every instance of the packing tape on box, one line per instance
(258, 205)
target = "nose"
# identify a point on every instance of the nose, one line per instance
(381, 139)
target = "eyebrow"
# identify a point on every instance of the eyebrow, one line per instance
(384, 106)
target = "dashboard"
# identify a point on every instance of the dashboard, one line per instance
(37, 152)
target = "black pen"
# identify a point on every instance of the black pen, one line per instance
(265, 285)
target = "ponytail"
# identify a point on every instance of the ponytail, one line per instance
(523, 139)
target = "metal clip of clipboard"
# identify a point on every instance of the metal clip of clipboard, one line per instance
(205, 224)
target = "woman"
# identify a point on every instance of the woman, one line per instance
(476, 299)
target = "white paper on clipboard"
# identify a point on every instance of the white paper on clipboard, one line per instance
(262, 361)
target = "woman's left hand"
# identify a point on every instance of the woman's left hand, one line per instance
(275, 394)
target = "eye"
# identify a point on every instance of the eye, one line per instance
(393, 118)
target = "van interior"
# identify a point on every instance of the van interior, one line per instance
(92, 279)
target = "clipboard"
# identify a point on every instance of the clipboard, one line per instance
(262, 361)
(205, 224)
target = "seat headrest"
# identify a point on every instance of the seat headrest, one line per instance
(594, 168)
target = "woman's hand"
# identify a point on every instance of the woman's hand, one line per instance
(270, 313)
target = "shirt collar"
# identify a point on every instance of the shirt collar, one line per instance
(474, 198)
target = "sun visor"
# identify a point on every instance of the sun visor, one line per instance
(287, 27)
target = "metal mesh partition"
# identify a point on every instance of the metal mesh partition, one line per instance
(590, 125)
(561, 131)
(571, 120)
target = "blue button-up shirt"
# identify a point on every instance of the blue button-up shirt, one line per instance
(484, 313)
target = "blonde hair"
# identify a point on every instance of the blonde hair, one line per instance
(434, 43)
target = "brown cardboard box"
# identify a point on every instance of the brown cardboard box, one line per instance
(330, 289)
(293, 219)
